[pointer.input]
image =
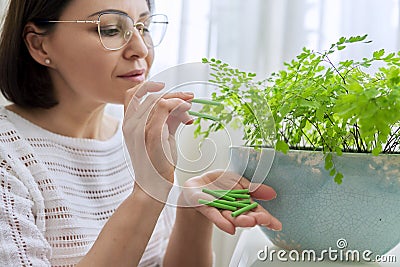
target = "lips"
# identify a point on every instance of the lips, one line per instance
(134, 76)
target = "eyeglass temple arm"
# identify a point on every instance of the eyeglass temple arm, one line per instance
(74, 21)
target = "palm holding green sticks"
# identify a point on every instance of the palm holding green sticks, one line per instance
(222, 218)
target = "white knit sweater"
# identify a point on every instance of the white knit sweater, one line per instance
(57, 192)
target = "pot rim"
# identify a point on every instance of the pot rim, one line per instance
(298, 151)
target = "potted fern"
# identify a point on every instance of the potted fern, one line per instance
(327, 137)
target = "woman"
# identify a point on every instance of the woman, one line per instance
(67, 196)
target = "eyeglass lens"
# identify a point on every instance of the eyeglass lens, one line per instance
(115, 30)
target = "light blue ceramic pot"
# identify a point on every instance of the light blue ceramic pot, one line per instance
(315, 211)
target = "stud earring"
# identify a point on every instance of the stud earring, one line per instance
(47, 61)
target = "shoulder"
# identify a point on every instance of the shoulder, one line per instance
(16, 154)
(8, 131)
(9, 135)
(19, 166)
(5, 119)
(4, 116)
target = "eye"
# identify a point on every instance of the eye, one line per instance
(141, 28)
(110, 31)
(145, 27)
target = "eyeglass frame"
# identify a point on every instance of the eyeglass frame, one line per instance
(135, 26)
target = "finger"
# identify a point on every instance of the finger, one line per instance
(263, 192)
(156, 130)
(162, 110)
(216, 217)
(130, 97)
(137, 109)
(222, 179)
(186, 96)
(264, 218)
(148, 104)
(242, 220)
(140, 90)
(258, 191)
(178, 116)
(180, 110)
(149, 87)
(175, 121)
(144, 108)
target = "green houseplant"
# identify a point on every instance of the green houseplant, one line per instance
(315, 104)
(334, 113)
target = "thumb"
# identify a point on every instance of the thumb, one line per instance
(140, 90)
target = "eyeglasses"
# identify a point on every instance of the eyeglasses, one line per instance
(116, 29)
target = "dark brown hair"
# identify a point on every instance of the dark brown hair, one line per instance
(23, 81)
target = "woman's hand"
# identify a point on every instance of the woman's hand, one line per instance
(220, 179)
(149, 127)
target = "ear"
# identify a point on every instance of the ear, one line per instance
(35, 38)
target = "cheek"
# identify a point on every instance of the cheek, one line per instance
(87, 71)
(76, 46)
(88, 67)
(82, 57)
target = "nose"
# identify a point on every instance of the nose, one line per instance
(136, 46)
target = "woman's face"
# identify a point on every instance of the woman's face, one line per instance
(81, 68)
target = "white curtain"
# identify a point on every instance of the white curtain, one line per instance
(3, 4)
(259, 35)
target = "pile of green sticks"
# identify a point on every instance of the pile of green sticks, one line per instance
(238, 201)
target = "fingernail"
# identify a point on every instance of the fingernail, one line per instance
(269, 228)
(189, 93)
(159, 83)
(190, 122)
(275, 230)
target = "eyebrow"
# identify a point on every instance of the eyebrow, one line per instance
(146, 13)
